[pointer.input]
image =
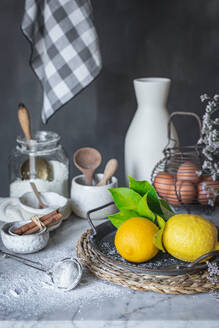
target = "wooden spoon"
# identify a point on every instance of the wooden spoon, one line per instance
(109, 171)
(34, 167)
(87, 161)
(37, 194)
(24, 119)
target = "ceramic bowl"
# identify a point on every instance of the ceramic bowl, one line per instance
(30, 204)
(24, 244)
(85, 198)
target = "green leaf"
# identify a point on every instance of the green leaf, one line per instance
(166, 210)
(166, 205)
(160, 221)
(125, 198)
(144, 210)
(159, 235)
(158, 240)
(120, 217)
(154, 204)
(143, 187)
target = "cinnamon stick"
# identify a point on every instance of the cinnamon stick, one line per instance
(51, 220)
(28, 226)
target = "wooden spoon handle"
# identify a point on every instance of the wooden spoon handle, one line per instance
(109, 171)
(24, 119)
(88, 177)
(37, 194)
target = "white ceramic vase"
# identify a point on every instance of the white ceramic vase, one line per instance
(147, 134)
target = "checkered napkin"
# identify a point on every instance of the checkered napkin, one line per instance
(65, 53)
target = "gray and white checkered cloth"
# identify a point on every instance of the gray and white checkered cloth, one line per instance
(65, 52)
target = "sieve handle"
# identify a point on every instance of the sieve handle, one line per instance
(182, 114)
(25, 261)
(95, 210)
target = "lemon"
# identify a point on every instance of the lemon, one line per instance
(134, 240)
(189, 236)
(217, 246)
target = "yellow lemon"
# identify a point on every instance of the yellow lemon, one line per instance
(188, 236)
(217, 246)
(134, 240)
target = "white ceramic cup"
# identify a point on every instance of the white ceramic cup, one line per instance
(85, 198)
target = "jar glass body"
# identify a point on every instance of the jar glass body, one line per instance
(41, 160)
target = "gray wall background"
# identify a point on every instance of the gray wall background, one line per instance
(172, 38)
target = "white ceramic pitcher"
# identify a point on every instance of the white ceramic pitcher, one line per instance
(147, 134)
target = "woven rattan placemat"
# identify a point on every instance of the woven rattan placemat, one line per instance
(101, 268)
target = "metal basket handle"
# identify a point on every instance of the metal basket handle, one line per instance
(212, 254)
(182, 114)
(95, 210)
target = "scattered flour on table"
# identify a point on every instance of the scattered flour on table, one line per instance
(32, 293)
(14, 293)
(59, 184)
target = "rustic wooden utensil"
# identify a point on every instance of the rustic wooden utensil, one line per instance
(34, 167)
(87, 161)
(109, 171)
(24, 119)
(37, 194)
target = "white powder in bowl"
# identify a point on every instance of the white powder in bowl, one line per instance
(59, 184)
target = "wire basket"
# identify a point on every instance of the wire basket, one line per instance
(177, 179)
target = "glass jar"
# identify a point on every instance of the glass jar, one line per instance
(41, 160)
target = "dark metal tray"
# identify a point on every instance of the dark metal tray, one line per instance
(102, 241)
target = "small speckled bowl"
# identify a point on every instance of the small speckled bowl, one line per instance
(85, 198)
(24, 244)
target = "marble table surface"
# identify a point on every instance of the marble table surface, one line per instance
(28, 300)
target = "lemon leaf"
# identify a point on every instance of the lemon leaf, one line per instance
(120, 217)
(125, 198)
(166, 210)
(158, 240)
(144, 187)
(144, 210)
(154, 204)
(165, 205)
(141, 187)
(161, 222)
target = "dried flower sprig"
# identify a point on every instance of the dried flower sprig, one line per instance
(210, 140)
(210, 136)
(213, 272)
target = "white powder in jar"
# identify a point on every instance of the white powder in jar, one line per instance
(59, 184)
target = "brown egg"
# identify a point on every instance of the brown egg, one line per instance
(187, 172)
(186, 191)
(207, 189)
(162, 183)
(171, 196)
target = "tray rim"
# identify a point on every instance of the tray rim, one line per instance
(189, 268)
